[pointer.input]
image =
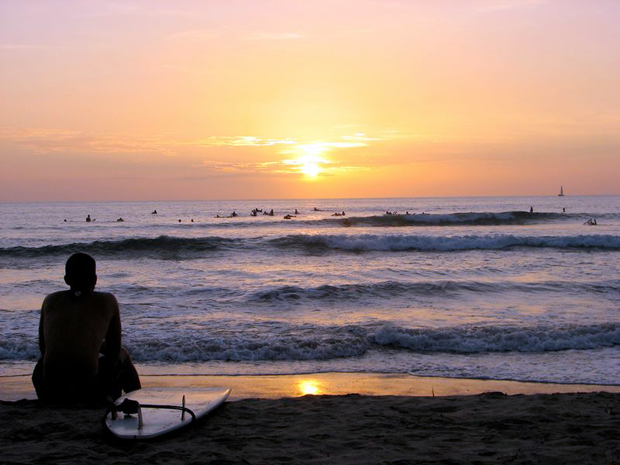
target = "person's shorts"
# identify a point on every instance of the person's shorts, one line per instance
(64, 389)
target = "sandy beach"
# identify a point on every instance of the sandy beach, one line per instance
(493, 427)
(351, 429)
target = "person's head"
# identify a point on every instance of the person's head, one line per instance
(81, 272)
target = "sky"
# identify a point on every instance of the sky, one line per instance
(248, 99)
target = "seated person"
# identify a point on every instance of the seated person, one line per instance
(80, 341)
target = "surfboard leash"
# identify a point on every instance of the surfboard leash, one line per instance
(131, 407)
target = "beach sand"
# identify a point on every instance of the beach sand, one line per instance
(342, 429)
(352, 429)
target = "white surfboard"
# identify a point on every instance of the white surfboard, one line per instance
(161, 410)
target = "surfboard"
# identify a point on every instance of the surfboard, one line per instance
(152, 412)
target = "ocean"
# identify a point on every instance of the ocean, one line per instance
(454, 287)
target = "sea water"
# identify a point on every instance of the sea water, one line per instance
(467, 287)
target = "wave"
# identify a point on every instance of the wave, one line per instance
(390, 289)
(162, 246)
(409, 219)
(371, 242)
(469, 340)
(457, 219)
(168, 247)
(324, 343)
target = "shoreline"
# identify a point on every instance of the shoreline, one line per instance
(17, 387)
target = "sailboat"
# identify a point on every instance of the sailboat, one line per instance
(561, 194)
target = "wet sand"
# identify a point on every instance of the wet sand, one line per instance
(372, 384)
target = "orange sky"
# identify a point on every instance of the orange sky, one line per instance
(148, 100)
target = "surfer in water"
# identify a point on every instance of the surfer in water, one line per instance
(80, 341)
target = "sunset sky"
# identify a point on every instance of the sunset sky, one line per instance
(155, 100)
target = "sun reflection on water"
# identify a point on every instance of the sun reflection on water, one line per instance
(309, 387)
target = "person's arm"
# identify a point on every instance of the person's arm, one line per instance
(41, 326)
(112, 343)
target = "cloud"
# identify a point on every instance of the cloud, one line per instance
(58, 140)
(29, 47)
(193, 35)
(42, 141)
(274, 36)
(238, 141)
(495, 5)
(290, 156)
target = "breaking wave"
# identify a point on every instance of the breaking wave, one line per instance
(372, 242)
(182, 247)
(161, 246)
(325, 343)
(390, 289)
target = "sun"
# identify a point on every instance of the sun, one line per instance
(310, 169)
(309, 160)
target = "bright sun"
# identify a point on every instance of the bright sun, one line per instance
(310, 169)
(310, 162)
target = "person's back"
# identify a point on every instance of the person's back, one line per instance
(76, 328)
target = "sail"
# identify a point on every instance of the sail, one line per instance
(561, 194)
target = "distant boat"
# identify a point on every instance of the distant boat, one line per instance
(561, 194)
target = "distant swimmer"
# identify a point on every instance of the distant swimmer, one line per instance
(154, 212)
(192, 220)
(233, 215)
(88, 220)
(120, 220)
(296, 212)
(336, 214)
(179, 220)
(563, 210)
(288, 217)
(254, 212)
(271, 212)
(343, 213)
(317, 210)
(531, 209)
(65, 220)
(591, 222)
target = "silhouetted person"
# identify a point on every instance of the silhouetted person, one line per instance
(531, 209)
(80, 341)
(88, 220)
